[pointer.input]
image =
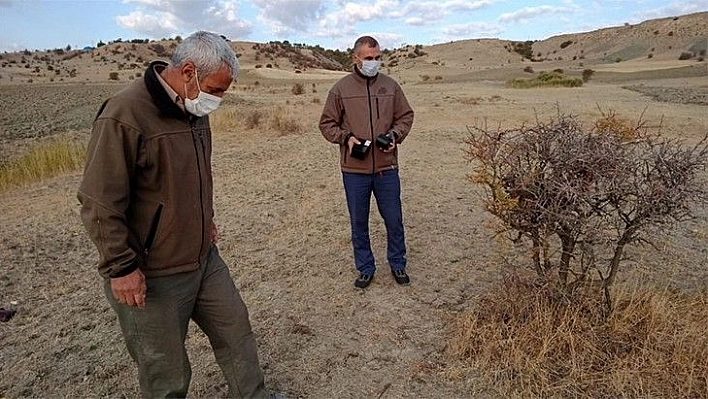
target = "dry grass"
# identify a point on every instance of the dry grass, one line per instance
(278, 119)
(546, 79)
(43, 161)
(533, 341)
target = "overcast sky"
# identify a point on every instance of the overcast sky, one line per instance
(50, 24)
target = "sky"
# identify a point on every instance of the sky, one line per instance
(334, 24)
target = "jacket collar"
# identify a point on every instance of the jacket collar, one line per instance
(162, 100)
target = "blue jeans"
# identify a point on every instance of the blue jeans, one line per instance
(386, 187)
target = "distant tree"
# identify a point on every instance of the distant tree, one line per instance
(100, 44)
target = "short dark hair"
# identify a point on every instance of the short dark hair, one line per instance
(365, 40)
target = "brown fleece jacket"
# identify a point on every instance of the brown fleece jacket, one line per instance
(146, 192)
(366, 108)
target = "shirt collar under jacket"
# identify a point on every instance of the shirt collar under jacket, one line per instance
(170, 91)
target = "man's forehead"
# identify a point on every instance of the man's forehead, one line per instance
(368, 50)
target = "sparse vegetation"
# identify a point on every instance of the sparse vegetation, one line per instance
(685, 55)
(525, 49)
(113, 76)
(546, 79)
(41, 162)
(298, 89)
(530, 340)
(566, 44)
(587, 74)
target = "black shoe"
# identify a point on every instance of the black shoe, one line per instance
(401, 276)
(363, 280)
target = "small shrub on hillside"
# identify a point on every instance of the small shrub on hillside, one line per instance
(425, 78)
(298, 89)
(618, 59)
(650, 55)
(587, 74)
(685, 55)
(113, 76)
(566, 44)
(438, 77)
(528, 69)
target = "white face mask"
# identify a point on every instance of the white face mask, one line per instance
(204, 104)
(370, 68)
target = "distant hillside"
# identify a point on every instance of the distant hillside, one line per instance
(682, 37)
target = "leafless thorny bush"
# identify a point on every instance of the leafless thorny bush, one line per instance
(581, 195)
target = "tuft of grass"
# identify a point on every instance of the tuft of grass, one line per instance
(534, 341)
(546, 79)
(282, 120)
(41, 162)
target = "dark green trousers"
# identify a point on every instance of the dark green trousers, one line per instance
(155, 334)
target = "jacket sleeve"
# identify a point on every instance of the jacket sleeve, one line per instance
(331, 120)
(104, 194)
(402, 116)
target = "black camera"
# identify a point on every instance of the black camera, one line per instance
(359, 150)
(383, 141)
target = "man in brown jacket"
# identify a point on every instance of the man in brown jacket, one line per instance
(146, 198)
(368, 116)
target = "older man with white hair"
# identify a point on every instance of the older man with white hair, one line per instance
(146, 198)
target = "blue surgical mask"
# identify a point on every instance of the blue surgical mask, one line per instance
(370, 67)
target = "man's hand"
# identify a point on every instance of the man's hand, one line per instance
(351, 142)
(214, 234)
(392, 146)
(130, 289)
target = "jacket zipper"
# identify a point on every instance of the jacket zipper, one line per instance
(371, 125)
(201, 188)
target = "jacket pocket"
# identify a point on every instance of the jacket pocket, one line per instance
(154, 224)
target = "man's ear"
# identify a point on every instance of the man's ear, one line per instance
(188, 70)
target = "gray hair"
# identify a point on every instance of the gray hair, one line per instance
(364, 41)
(208, 51)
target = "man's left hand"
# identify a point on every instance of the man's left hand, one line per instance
(392, 146)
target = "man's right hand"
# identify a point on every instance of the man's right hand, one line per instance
(351, 142)
(130, 289)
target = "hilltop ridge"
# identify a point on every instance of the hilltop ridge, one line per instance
(683, 38)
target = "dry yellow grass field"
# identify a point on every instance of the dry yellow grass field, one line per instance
(283, 222)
